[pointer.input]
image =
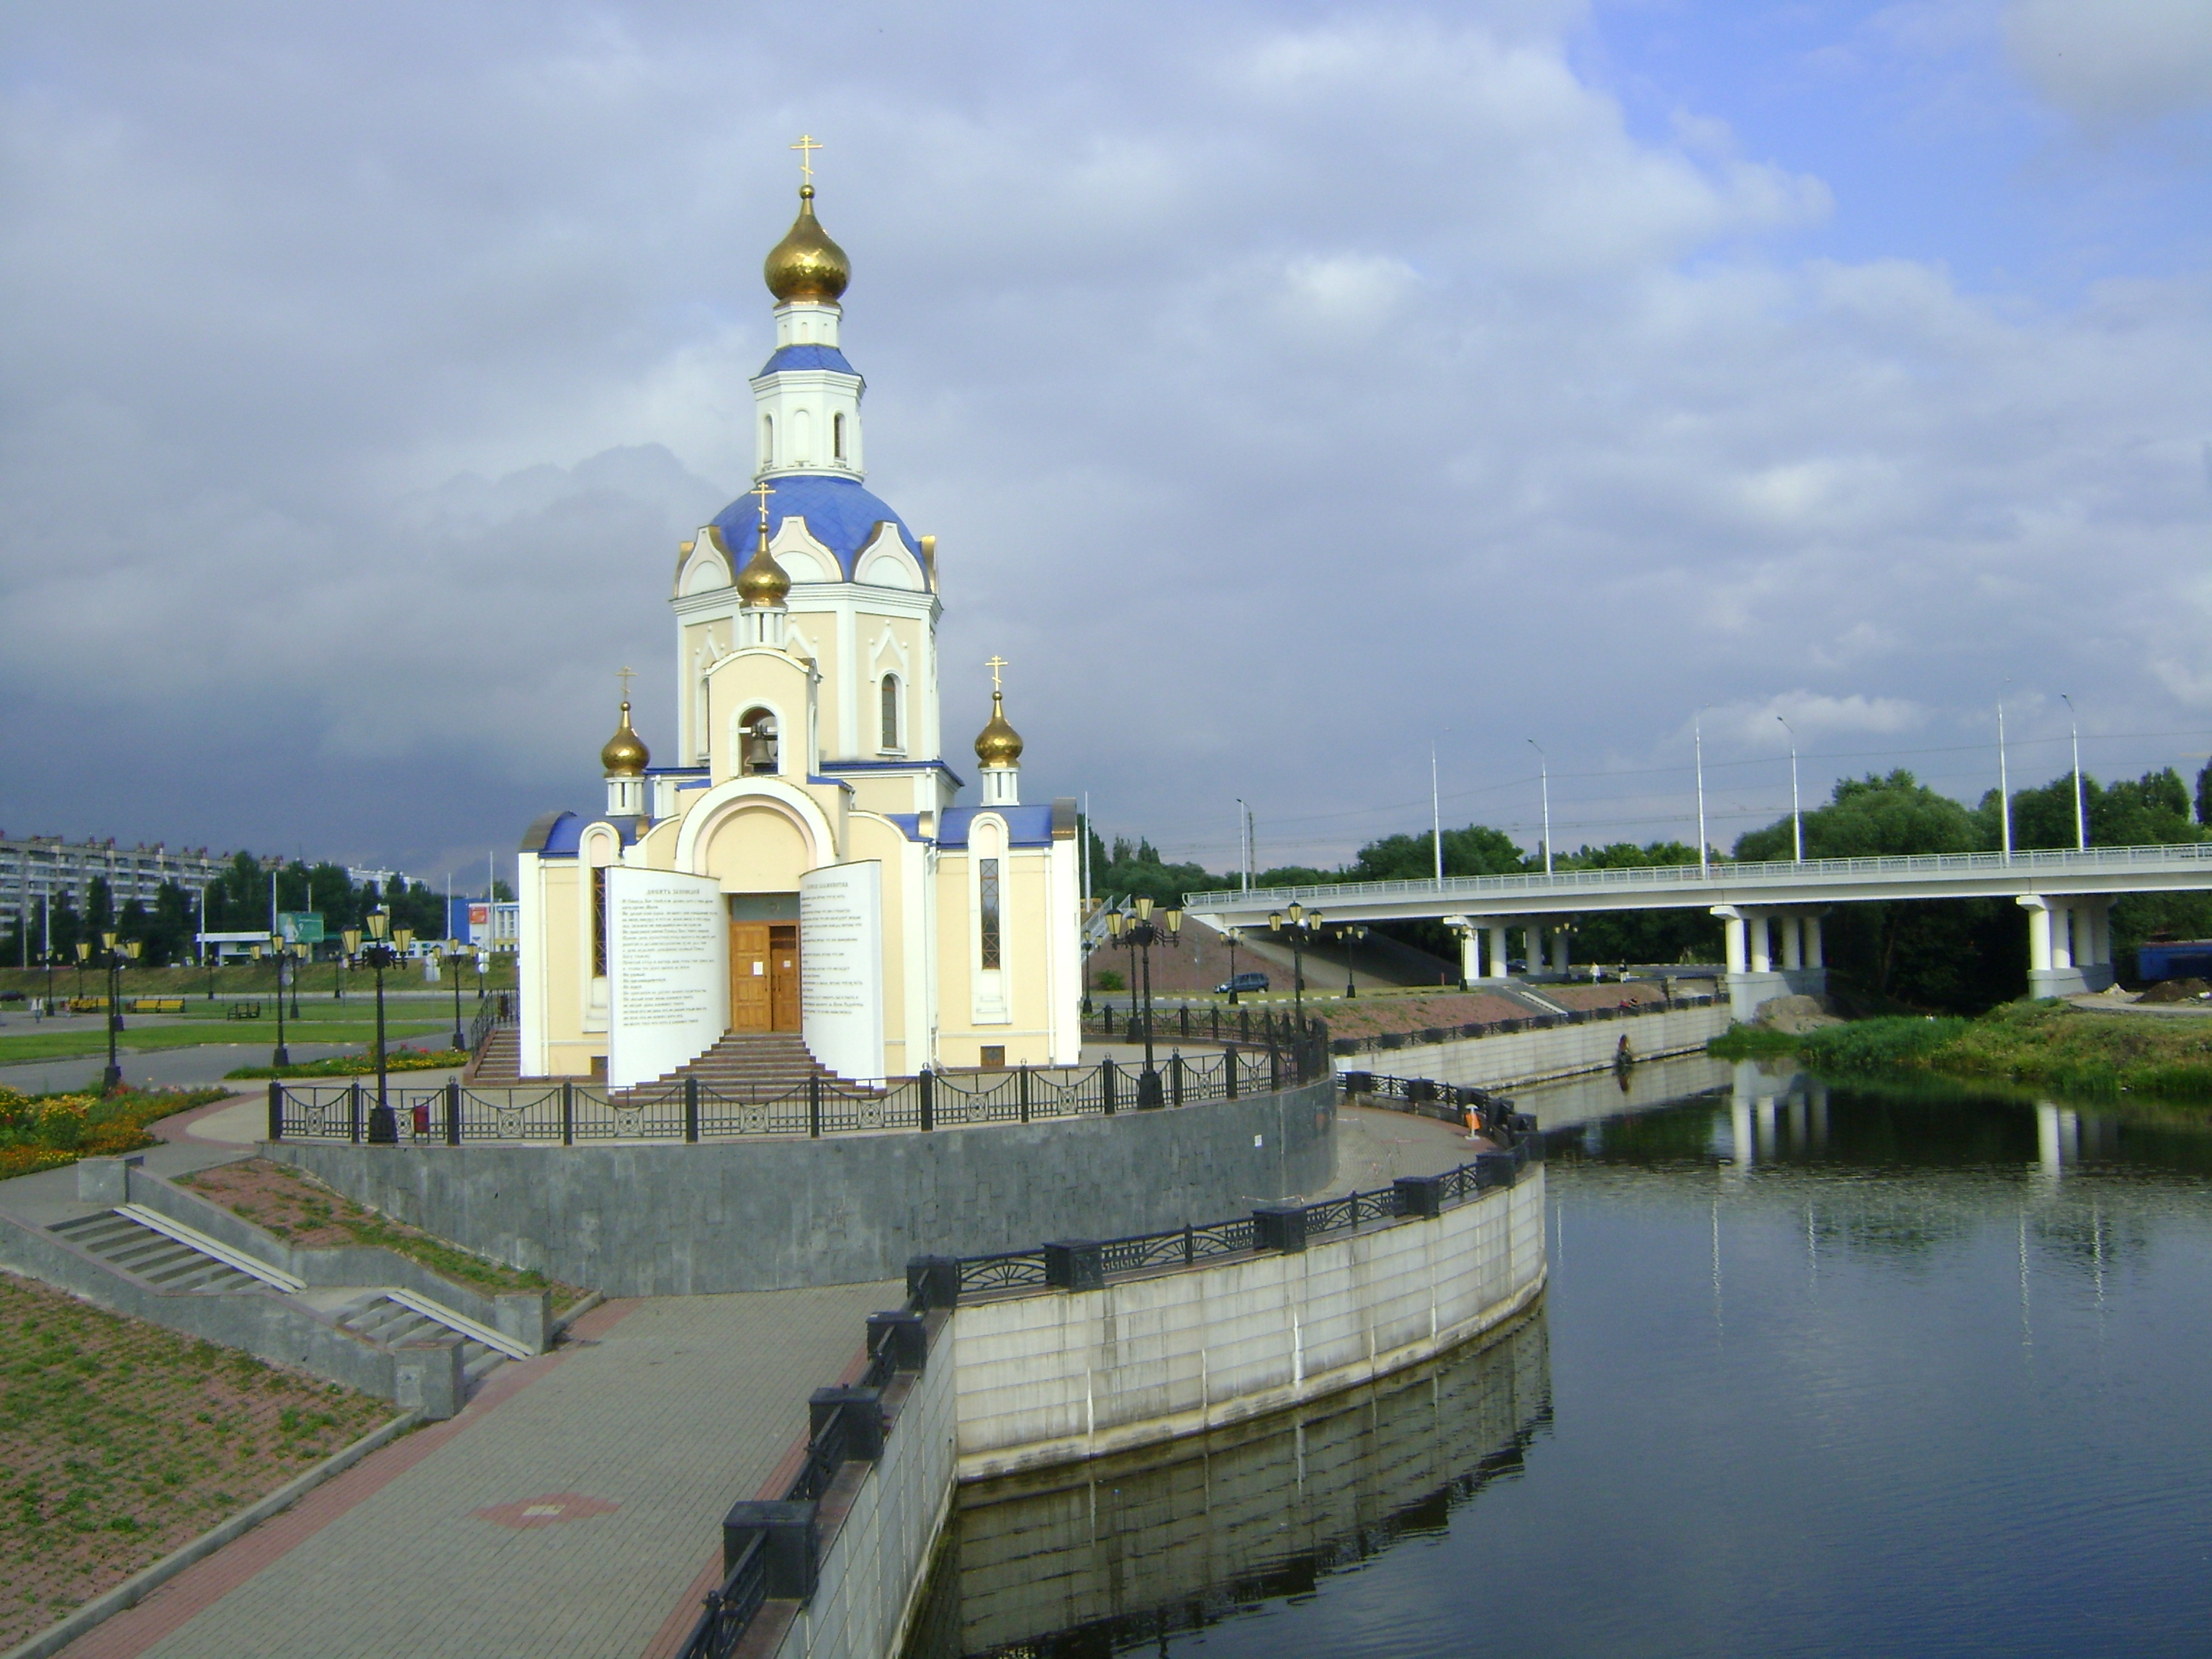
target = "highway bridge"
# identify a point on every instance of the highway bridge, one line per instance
(1772, 911)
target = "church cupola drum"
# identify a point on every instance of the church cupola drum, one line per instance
(802, 863)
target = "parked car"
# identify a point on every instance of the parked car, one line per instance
(1235, 984)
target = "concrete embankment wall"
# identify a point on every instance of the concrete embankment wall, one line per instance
(1048, 1379)
(1517, 1059)
(671, 1219)
(872, 1574)
(1112, 1544)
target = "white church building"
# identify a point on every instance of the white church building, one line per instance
(803, 867)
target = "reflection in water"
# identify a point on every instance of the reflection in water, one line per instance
(1126, 1551)
(1831, 1371)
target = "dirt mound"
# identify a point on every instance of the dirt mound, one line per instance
(1794, 1015)
(2176, 990)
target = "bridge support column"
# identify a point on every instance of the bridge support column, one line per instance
(1470, 953)
(1793, 942)
(1732, 924)
(1814, 957)
(1560, 935)
(1534, 950)
(1762, 953)
(1497, 950)
(2051, 969)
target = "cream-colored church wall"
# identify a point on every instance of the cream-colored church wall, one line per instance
(814, 634)
(759, 848)
(699, 644)
(1024, 934)
(868, 836)
(759, 677)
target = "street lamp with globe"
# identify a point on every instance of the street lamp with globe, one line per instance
(1301, 926)
(388, 944)
(1143, 934)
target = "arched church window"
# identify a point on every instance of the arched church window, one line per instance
(768, 441)
(756, 734)
(837, 437)
(890, 711)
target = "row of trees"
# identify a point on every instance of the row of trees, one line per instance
(239, 900)
(1959, 955)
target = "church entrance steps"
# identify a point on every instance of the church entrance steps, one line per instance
(499, 1062)
(751, 1065)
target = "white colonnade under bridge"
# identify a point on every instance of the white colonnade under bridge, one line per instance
(1772, 912)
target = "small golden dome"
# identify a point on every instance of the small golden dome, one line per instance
(625, 755)
(762, 582)
(806, 265)
(997, 744)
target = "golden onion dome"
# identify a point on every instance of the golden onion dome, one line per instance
(625, 755)
(806, 265)
(997, 744)
(762, 582)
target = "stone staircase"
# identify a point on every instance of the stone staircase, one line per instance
(499, 1062)
(751, 1065)
(171, 1257)
(381, 1317)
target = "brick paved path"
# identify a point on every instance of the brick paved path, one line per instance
(569, 1511)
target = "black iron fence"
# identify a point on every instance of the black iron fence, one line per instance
(492, 1012)
(772, 1548)
(1482, 1027)
(569, 1113)
(1088, 1264)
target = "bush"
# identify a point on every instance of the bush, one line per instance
(1110, 979)
(43, 1132)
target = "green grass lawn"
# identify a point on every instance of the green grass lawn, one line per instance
(139, 1037)
(119, 1441)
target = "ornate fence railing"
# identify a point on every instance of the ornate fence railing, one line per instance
(569, 1113)
(492, 1012)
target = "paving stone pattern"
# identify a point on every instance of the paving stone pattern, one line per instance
(639, 1441)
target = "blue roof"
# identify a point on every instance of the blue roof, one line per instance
(840, 513)
(1026, 826)
(807, 356)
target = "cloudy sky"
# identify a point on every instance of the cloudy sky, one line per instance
(1291, 387)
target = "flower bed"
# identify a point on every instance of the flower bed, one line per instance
(44, 1131)
(398, 1060)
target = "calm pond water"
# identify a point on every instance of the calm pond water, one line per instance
(1820, 1372)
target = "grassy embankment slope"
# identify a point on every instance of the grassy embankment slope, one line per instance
(2039, 1044)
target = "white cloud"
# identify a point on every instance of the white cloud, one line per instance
(1278, 390)
(2114, 63)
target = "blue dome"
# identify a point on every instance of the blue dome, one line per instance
(840, 513)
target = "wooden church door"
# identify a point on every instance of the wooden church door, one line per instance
(751, 1005)
(783, 977)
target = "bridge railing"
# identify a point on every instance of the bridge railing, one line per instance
(2095, 860)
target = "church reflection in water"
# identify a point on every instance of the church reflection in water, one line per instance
(1102, 1557)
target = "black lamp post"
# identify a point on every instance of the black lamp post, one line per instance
(50, 981)
(111, 1079)
(1351, 936)
(390, 943)
(455, 956)
(283, 1054)
(84, 954)
(1143, 933)
(349, 951)
(298, 952)
(1301, 926)
(1232, 937)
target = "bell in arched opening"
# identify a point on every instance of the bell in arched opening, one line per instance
(758, 744)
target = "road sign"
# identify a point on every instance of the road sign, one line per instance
(300, 926)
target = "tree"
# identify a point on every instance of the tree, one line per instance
(1645, 936)
(1477, 850)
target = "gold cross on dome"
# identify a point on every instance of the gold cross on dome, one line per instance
(995, 666)
(806, 146)
(763, 491)
(626, 675)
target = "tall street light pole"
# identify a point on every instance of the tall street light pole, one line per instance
(1544, 782)
(1697, 741)
(1796, 819)
(455, 956)
(1143, 933)
(2080, 820)
(283, 1054)
(1436, 817)
(1303, 928)
(2004, 788)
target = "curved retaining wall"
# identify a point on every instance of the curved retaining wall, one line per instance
(678, 1221)
(1049, 1379)
(1520, 1059)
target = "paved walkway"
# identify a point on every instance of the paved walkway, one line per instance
(571, 1509)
